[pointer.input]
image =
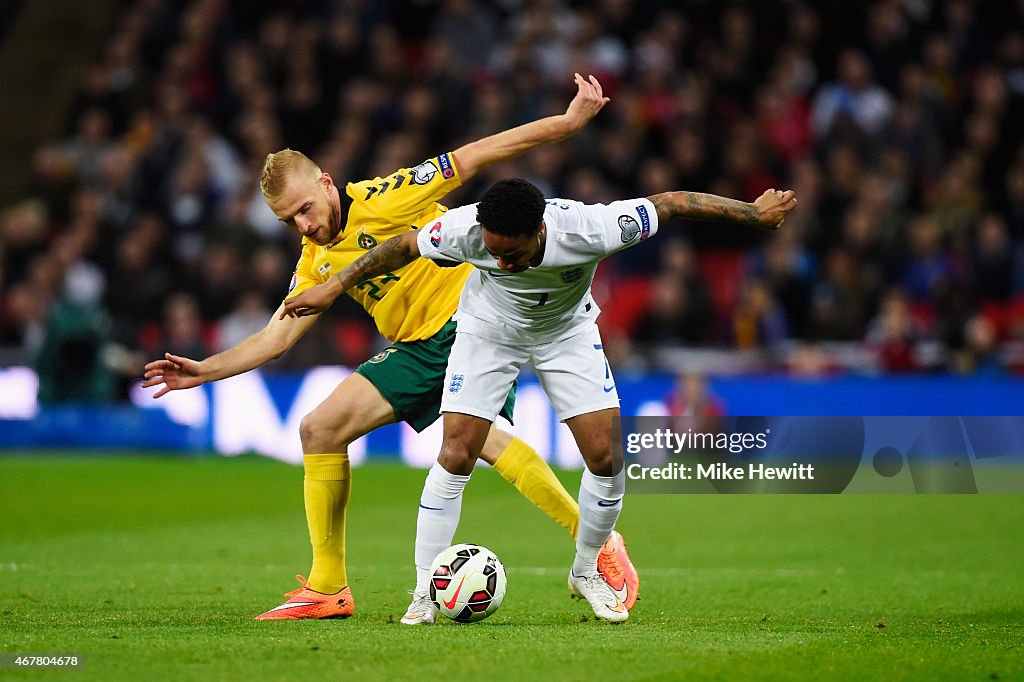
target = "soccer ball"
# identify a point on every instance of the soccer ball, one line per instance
(467, 583)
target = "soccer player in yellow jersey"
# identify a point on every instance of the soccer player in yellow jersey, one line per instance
(412, 308)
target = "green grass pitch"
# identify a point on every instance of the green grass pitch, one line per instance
(152, 568)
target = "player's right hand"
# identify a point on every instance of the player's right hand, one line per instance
(773, 206)
(312, 301)
(174, 372)
(588, 101)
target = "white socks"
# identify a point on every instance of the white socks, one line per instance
(600, 502)
(440, 508)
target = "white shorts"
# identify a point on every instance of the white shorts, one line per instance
(573, 372)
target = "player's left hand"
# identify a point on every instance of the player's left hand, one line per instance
(312, 301)
(773, 206)
(588, 101)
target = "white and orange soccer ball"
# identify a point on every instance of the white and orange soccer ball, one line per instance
(467, 583)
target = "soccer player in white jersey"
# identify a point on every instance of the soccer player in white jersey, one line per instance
(529, 301)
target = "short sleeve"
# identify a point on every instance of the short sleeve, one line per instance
(624, 224)
(404, 195)
(304, 276)
(441, 239)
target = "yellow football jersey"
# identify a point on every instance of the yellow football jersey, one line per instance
(414, 302)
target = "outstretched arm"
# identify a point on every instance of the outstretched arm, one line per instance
(505, 145)
(389, 256)
(176, 372)
(768, 211)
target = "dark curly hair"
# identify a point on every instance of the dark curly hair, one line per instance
(511, 208)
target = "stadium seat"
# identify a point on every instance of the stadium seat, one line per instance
(723, 271)
(623, 300)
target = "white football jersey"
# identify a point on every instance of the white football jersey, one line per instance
(549, 301)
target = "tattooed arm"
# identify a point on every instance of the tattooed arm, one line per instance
(768, 211)
(393, 254)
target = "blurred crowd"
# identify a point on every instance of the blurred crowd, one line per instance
(900, 124)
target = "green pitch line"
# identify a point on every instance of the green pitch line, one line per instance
(152, 568)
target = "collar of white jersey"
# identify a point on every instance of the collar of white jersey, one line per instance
(549, 241)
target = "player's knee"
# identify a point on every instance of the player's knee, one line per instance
(457, 456)
(309, 430)
(601, 464)
(320, 434)
(598, 455)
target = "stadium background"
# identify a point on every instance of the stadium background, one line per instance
(132, 223)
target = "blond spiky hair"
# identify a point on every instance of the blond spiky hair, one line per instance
(279, 166)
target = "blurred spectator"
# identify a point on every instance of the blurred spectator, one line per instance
(190, 205)
(783, 122)
(23, 233)
(868, 249)
(680, 308)
(843, 175)
(24, 316)
(118, 190)
(954, 202)
(673, 317)
(940, 66)
(745, 163)
(182, 331)
(787, 268)
(139, 280)
(927, 270)
(469, 30)
(268, 276)
(249, 317)
(71, 362)
(692, 405)
(691, 397)
(887, 39)
(85, 150)
(598, 52)
(757, 321)
(839, 301)
(979, 354)
(993, 259)
(216, 286)
(914, 135)
(893, 333)
(853, 99)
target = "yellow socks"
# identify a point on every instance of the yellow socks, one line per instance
(326, 487)
(520, 465)
(328, 481)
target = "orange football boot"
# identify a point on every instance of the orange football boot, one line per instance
(613, 563)
(307, 603)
